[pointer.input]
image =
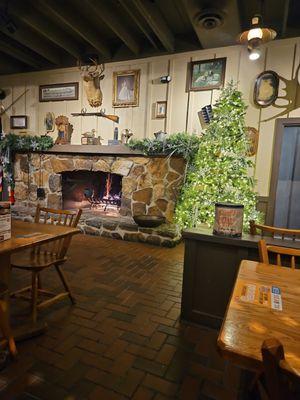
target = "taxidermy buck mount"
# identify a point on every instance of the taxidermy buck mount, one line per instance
(291, 97)
(92, 74)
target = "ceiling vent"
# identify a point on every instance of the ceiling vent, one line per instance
(209, 19)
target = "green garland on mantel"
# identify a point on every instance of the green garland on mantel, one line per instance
(12, 143)
(180, 144)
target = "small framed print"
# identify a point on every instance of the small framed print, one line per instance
(18, 122)
(161, 109)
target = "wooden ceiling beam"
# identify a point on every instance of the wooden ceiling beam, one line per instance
(110, 18)
(10, 65)
(10, 48)
(285, 17)
(77, 23)
(156, 22)
(138, 22)
(54, 33)
(35, 42)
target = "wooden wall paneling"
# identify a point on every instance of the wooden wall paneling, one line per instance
(232, 56)
(31, 108)
(198, 99)
(105, 127)
(296, 113)
(158, 93)
(124, 113)
(170, 97)
(279, 59)
(139, 114)
(179, 94)
(74, 106)
(248, 71)
(6, 102)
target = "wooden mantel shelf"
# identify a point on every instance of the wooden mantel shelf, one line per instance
(121, 150)
(117, 150)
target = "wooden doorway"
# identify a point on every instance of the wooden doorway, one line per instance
(284, 204)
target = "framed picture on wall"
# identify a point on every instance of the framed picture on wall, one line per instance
(58, 92)
(126, 86)
(18, 122)
(207, 74)
(161, 109)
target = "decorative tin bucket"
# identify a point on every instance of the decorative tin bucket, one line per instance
(228, 219)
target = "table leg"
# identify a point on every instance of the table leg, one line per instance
(28, 330)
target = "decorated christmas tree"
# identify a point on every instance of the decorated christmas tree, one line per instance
(220, 172)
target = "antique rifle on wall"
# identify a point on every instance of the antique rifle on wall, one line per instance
(100, 113)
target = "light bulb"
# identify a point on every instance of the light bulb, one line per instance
(254, 54)
(255, 33)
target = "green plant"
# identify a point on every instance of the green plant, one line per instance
(12, 143)
(180, 144)
(220, 169)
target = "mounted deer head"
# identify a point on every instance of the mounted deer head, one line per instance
(92, 74)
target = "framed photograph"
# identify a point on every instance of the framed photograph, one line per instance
(266, 89)
(207, 74)
(59, 92)
(18, 122)
(161, 109)
(126, 86)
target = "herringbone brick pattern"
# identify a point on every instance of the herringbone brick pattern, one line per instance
(123, 339)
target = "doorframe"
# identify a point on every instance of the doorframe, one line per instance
(280, 125)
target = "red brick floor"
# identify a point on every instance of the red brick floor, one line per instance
(123, 339)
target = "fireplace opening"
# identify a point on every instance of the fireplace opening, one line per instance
(101, 191)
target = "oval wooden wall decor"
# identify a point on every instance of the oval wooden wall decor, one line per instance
(266, 89)
(252, 135)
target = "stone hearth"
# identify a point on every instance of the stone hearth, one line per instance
(150, 186)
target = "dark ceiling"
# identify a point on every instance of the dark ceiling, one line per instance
(43, 34)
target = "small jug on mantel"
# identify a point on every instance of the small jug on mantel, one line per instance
(160, 135)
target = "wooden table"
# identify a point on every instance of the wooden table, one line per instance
(247, 325)
(211, 264)
(26, 235)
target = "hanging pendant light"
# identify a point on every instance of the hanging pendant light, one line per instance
(256, 36)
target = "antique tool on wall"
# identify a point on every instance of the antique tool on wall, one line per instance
(100, 113)
(4, 109)
(92, 74)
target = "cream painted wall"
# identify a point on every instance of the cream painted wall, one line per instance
(281, 56)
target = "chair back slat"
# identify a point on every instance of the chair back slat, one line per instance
(51, 216)
(279, 251)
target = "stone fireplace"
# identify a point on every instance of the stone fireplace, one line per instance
(111, 188)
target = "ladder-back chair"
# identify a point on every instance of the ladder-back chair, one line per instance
(4, 320)
(52, 254)
(279, 381)
(265, 249)
(272, 231)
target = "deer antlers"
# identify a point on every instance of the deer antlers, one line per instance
(94, 69)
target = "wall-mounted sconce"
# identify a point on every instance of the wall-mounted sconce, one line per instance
(162, 79)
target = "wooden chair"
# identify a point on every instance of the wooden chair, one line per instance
(4, 320)
(52, 254)
(281, 233)
(279, 381)
(264, 250)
